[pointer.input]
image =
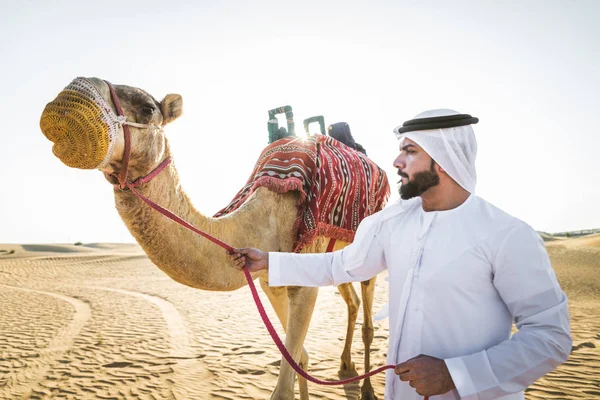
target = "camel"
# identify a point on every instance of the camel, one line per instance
(266, 220)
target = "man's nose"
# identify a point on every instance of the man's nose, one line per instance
(399, 162)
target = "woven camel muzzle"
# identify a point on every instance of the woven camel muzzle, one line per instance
(81, 125)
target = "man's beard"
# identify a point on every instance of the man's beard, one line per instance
(419, 183)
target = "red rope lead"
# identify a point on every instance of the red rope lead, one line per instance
(257, 300)
(124, 183)
(179, 220)
(259, 304)
(285, 352)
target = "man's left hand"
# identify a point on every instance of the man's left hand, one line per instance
(428, 375)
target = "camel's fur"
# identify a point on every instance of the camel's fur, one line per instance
(265, 221)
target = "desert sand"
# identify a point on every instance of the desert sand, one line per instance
(101, 321)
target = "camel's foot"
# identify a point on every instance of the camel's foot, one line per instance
(283, 392)
(367, 392)
(347, 370)
(368, 396)
(282, 396)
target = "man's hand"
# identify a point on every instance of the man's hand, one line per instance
(254, 259)
(428, 375)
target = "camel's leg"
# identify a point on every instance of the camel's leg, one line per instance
(301, 303)
(302, 382)
(367, 291)
(347, 367)
(279, 300)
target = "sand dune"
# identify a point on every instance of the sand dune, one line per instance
(100, 321)
(577, 265)
(8, 251)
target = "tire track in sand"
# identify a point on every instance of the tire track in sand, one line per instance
(24, 380)
(189, 371)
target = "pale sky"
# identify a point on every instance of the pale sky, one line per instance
(527, 69)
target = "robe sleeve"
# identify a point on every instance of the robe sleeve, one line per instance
(528, 286)
(361, 260)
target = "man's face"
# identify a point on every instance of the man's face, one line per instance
(416, 169)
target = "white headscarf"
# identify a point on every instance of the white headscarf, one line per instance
(454, 149)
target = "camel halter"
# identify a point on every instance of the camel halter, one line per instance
(124, 183)
(280, 345)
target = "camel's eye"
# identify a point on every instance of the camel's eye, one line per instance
(148, 109)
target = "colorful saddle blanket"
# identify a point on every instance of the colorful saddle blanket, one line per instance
(338, 186)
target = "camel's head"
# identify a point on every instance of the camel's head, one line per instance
(87, 130)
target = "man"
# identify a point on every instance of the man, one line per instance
(461, 271)
(341, 131)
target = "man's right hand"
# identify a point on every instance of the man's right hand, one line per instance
(254, 259)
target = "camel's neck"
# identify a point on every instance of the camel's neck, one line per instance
(265, 221)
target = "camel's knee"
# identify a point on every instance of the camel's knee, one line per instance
(350, 297)
(353, 307)
(302, 296)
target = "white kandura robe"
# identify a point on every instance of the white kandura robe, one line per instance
(479, 270)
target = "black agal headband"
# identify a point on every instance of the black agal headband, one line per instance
(445, 121)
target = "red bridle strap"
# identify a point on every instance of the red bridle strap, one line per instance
(124, 183)
(122, 177)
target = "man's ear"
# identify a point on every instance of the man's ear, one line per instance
(440, 169)
(171, 107)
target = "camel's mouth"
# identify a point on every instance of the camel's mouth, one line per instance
(111, 178)
(80, 126)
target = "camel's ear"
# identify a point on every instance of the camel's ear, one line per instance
(171, 108)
